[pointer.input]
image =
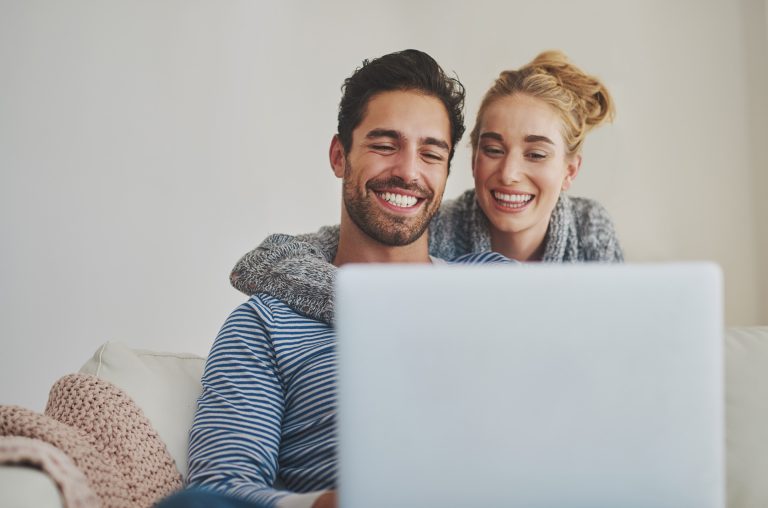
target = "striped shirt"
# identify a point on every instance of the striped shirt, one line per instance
(266, 420)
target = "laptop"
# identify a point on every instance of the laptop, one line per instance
(535, 386)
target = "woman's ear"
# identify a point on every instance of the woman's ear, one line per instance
(337, 157)
(571, 170)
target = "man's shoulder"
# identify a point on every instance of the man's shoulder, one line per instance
(477, 258)
(272, 312)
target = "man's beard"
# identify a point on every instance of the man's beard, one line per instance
(388, 229)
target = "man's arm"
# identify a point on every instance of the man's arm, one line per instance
(236, 434)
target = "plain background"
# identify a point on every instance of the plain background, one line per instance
(146, 145)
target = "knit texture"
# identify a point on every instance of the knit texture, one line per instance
(579, 230)
(298, 270)
(294, 269)
(107, 437)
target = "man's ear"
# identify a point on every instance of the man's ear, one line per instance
(571, 170)
(337, 157)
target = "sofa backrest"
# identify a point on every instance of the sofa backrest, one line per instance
(164, 385)
(746, 416)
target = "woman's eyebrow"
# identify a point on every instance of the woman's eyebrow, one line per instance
(492, 135)
(532, 138)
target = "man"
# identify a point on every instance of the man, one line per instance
(267, 414)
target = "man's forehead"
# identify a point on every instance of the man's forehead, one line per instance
(405, 114)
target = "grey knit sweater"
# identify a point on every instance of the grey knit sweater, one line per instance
(298, 270)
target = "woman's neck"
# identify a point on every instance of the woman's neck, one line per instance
(527, 245)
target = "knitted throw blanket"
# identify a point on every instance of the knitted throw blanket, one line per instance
(94, 442)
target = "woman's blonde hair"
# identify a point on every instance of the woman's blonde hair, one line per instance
(581, 100)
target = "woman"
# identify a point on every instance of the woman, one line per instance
(526, 150)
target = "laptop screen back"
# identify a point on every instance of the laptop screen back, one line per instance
(532, 386)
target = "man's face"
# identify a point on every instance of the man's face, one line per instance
(396, 169)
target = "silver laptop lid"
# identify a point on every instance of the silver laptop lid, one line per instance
(531, 386)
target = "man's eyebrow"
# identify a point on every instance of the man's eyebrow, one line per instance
(383, 133)
(393, 134)
(532, 138)
(436, 142)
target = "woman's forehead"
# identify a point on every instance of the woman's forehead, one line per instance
(520, 116)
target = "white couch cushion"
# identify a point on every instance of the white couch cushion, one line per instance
(27, 487)
(746, 408)
(164, 385)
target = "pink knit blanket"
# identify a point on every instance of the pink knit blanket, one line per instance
(94, 442)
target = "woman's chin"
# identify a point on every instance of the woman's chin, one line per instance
(508, 225)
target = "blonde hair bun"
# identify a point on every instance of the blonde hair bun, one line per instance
(596, 102)
(581, 99)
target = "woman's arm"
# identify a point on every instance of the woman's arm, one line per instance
(294, 269)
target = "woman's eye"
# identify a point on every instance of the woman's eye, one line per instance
(492, 150)
(537, 156)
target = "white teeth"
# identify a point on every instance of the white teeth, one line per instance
(512, 200)
(400, 200)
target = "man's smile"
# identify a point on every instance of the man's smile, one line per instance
(399, 200)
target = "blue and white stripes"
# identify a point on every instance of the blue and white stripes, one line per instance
(269, 403)
(268, 398)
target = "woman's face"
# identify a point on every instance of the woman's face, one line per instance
(520, 165)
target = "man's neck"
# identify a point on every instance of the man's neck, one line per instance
(357, 247)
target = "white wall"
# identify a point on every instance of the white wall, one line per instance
(760, 123)
(146, 145)
(756, 33)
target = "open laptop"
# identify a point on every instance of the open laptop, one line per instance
(557, 386)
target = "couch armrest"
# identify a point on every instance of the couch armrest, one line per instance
(26, 487)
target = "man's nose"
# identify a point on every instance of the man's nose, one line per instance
(407, 166)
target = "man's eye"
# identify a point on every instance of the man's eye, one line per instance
(383, 148)
(433, 156)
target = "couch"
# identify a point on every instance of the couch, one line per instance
(166, 386)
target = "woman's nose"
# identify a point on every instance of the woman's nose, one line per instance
(511, 171)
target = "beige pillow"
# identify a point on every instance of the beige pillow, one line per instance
(746, 409)
(164, 385)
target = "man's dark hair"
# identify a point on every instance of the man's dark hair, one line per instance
(405, 70)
